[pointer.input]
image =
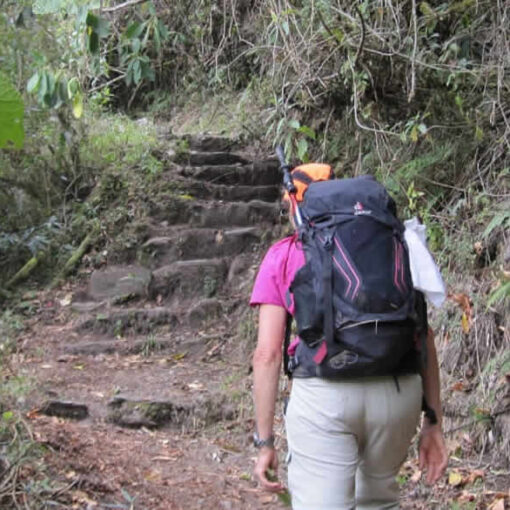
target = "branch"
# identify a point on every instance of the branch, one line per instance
(412, 92)
(362, 42)
(125, 5)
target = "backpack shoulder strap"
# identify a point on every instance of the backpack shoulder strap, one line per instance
(286, 343)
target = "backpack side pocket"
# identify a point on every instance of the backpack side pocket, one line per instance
(308, 314)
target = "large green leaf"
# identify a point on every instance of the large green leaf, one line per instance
(48, 6)
(99, 25)
(12, 109)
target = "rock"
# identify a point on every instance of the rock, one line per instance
(142, 413)
(119, 283)
(64, 409)
(210, 143)
(128, 320)
(203, 243)
(187, 278)
(192, 412)
(204, 311)
(87, 306)
(213, 158)
(239, 265)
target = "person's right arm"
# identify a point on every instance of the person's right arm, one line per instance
(433, 456)
(267, 360)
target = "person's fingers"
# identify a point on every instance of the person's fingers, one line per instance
(273, 486)
(265, 463)
(268, 485)
(421, 458)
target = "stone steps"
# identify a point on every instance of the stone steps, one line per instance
(151, 332)
(203, 243)
(121, 321)
(257, 173)
(187, 279)
(210, 143)
(215, 214)
(196, 158)
(152, 391)
(232, 193)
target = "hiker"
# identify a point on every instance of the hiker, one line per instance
(347, 436)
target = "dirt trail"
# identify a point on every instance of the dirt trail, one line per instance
(139, 386)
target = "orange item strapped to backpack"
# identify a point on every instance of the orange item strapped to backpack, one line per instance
(305, 174)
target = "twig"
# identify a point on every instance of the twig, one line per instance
(362, 42)
(355, 97)
(472, 422)
(125, 5)
(106, 84)
(412, 92)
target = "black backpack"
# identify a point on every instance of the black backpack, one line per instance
(355, 307)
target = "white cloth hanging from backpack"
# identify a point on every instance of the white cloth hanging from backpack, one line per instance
(424, 271)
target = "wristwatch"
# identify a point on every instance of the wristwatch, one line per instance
(259, 443)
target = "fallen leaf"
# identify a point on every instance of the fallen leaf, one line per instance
(465, 304)
(416, 476)
(34, 413)
(475, 475)
(79, 367)
(465, 323)
(497, 504)
(152, 476)
(454, 478)
(466, 497)
(458, 386)
(195, 386)
(66, 301)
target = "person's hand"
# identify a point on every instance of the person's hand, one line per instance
(267, 461)
(433, 456)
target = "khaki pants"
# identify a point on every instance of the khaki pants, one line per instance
(348, 439)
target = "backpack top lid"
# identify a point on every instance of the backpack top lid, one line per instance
(358, 196)
(304, 175)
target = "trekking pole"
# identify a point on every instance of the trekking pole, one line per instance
(288, 184)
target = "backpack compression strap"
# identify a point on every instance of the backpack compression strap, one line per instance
(327, 282)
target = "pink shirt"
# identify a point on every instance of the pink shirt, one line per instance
(276, 273)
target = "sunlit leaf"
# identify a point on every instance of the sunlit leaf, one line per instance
(454, 478)
(7, 415)
(414, 134)
(308, 131)
(465, 323)
(77, 105)
(33, 83)
(12, 111)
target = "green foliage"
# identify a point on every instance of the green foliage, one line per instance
(501, 294)
(97, 28)
(501, 219)
(12, 134)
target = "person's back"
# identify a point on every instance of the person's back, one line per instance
(347, 437)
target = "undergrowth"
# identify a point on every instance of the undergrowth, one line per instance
(24, 480)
